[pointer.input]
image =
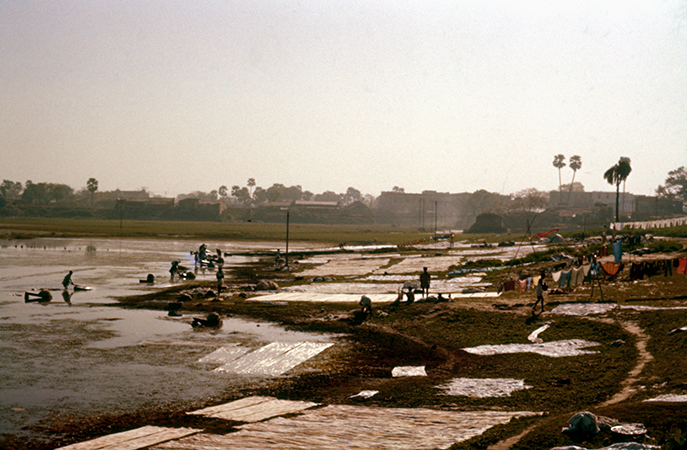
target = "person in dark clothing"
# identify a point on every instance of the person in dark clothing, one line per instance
(425, 278)
(67, 280)
(366, 306)
(220, 278)
(213, 320)
(541, 287)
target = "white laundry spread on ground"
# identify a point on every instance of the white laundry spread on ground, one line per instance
(555, 349)
(483, 387)
(534, 336)
(409, 371)
(676, 398)
(272, 359)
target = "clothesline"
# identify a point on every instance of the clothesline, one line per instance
(649, 224)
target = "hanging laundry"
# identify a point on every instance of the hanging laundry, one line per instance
(682, 266)
(535, 280)
(637, 271)
(509, 286)
(577, 276)
(564, 281)
(667, 268)
(556, 276)
(618, 250)
(594, 270)
(611, 269)
(522, 284)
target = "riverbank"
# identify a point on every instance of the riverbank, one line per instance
(636, 320)
(435, 335)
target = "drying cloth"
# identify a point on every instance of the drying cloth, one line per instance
(535, 281)
(611, 269)
(543, 235)
(668, 267)
(618, 250)
(682, 266)
(564, 281)
(577, 276)
(509, 286)
(523, 285)
(594, 270)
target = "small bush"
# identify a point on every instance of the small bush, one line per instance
(665, 246)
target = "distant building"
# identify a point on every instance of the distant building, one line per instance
(108, 199)
(432, 209)
(196, 209)
(302, 211)
(629, 205)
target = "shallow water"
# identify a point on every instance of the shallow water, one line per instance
(78, 356)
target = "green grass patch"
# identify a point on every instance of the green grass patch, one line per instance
(16, 228)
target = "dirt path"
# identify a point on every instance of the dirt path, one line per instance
(508, 443)
(627, 384)
(633, 376)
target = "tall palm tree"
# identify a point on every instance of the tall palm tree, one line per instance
(559, 163)
(625, 169)
(575, 164)
(616, 175)
(92, 186)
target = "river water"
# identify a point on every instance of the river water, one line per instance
(77, 356)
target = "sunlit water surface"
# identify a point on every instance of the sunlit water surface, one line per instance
(78, 356)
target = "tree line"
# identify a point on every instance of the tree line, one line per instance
(674, 188)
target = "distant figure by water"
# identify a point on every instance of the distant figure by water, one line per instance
(68, 280)
(425, 278)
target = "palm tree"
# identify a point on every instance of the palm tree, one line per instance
(92, 186)
(616, 175)
(575, 164)
(625, 169)
(559, 163)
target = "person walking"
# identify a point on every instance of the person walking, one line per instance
(541, 287)
(425, 278)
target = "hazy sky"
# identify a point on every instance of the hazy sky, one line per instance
(453, 96)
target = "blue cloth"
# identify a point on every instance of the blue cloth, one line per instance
(618, 250)
(564, 280)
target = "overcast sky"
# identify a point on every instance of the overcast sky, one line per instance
(453, 96)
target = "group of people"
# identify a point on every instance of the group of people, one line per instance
(44, 295)
(408, 290)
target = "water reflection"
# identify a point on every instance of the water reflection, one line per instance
(77, 355)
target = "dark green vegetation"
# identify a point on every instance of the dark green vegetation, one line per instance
(23, 228)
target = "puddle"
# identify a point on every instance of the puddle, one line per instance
(555, 349)
(483, 387)
(104, 359)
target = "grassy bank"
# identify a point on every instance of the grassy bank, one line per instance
(27, 228)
